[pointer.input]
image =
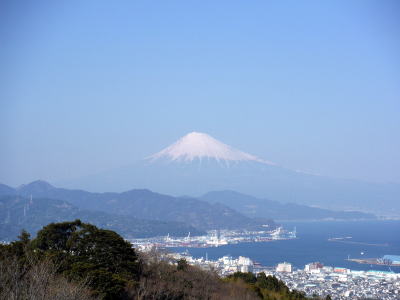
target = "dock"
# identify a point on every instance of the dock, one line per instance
(372, 261)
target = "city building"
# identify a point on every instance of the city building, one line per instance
(313, 267)
(284, 267)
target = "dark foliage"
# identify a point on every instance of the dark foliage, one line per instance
(101, 256)
(267, 287)
(162, 280)
(82, 252)
(17, 212)
(141, 203)
(75, 260)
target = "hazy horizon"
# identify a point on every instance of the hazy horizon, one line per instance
(261, 136)
(90, 86)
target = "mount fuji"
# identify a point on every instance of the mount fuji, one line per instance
(197, 145)
(198, 163)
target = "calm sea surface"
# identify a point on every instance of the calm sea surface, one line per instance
(377, 237)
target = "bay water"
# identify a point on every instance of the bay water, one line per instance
(369, 239)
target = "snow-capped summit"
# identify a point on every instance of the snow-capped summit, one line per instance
(197, 145)
(197, 163)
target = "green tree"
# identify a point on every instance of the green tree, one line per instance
(267, 287)
(182, 265)
(17, 248)
(247, 277)
(86, 252)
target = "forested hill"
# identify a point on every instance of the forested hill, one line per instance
(17, 213)
(145, 204)
(74, 260)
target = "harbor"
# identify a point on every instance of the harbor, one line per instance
(215, 238)
(386, 260)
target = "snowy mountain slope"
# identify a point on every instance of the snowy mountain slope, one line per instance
(197, 145)
(198, 163)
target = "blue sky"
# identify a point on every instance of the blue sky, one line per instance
(90, 85)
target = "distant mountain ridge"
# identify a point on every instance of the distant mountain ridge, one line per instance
(145, 204)
(213, 210)
(255, 207)
(197, 163)
(31, 214)
(6, 190)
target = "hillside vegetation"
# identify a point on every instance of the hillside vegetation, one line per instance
(142, 204)
(75, 260)
(17, 212)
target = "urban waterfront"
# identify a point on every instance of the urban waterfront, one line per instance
(316, 262)
(373, 239)
(314, 279)
(316, 258)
